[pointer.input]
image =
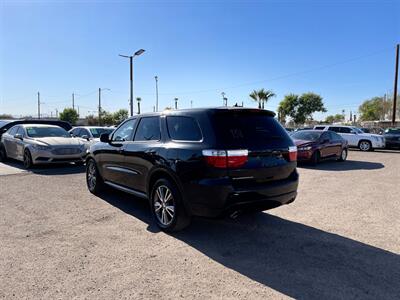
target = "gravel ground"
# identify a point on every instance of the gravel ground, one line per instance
(339, 239)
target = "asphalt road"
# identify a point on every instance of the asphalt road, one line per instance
(339, 239)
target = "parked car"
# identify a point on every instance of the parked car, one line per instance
(392, 137)
(7, 124)
(198, 162)
(41, 144)
(316, 145)
(90, 134)
(355, 137)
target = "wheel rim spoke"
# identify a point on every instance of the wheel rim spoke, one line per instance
(164, 213)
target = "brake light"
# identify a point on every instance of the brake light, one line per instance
(226, 159)
(292, 153)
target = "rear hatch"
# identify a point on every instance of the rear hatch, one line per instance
(269, 148)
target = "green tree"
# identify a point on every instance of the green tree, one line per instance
(106, 118)
(5, 116)
(261, 96)
(334, 118)
(300, 108)
(69, 115)
(120, 115)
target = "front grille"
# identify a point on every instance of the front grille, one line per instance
(66, 151)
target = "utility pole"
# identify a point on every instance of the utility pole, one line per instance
(191, 103)
(138, 99)
(137, 53)
(73, 101)
(176, 103)
(99, 117)
(56, 113)
(156, 78)
(224, 99)
(38, 103)
(396, 74)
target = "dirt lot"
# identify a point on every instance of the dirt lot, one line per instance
(339, 239)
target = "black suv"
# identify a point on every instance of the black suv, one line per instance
(202, 162)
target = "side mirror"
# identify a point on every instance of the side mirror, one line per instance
(85, 137)
(105, 138)
(18, 136)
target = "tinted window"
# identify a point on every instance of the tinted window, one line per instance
(75, 131)
(148, 129)
(319, 127)
(335, 129)
(84, 132)
(345, 130)
(249, 130)
(183, 129)
(125, 131)
(306, 135)
(335, 136)
(13, 130)
(21, 131)
(39, 132)
(97, 132)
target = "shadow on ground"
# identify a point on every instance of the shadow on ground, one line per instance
(297, 260)
(53, 169)
(348, 165)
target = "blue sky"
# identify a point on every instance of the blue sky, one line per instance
(343, 50)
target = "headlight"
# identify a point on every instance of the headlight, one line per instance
(40, 147)
(304, 148)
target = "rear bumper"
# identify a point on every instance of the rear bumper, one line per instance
(217, 197)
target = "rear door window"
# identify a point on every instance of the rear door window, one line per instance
(13, 130)
(148, 129)
(334, 129)
(249, 130)
(345, 130)
(319, 128)
(183, 128)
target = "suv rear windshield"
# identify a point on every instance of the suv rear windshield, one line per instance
(249, 130)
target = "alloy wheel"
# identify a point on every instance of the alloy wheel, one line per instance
(91, 176)
(27, 159)
(365, 146)
(344, 154)
(164, 205)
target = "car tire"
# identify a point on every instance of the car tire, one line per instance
(343, 155)
(3, 154)
(28, 163)
(94, 181)
(365, 145)
(167, 206)
(315, 158)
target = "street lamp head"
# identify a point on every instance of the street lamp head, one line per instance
(139, 52)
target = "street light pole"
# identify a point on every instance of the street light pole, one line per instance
(137, 53)
(156, 78)
(99, 117)
(138, 99)
(176, 103)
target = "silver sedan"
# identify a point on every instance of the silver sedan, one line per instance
(41, 144)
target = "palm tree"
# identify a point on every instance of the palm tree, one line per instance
(261, 96)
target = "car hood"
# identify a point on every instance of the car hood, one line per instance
(302, 143)
(57, 141)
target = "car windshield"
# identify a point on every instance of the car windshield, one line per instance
(39, 132)
(97, 132)
(393, 130)
(306, 135)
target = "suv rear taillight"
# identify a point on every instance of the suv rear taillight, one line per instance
(226, 158)
(292, 153)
